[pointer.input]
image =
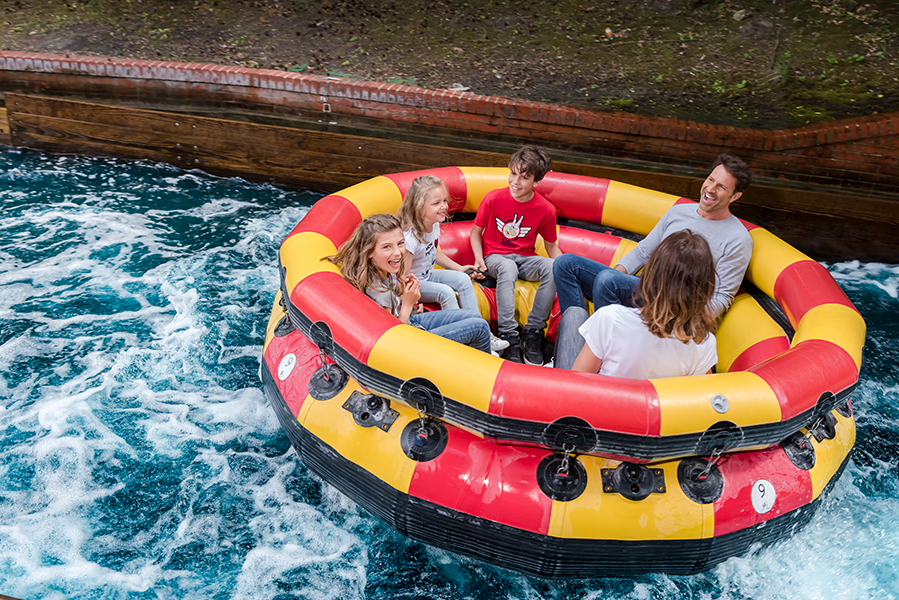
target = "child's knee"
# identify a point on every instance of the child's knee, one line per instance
(506, 269)
(546, 269)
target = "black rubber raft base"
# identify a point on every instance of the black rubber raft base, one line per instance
(530, 553)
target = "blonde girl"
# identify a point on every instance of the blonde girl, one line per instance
(424, 208)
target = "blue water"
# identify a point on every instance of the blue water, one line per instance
(139, 459)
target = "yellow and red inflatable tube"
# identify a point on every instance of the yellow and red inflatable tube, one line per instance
(483, 500)
(772, 385)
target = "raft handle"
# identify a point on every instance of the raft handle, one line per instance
(700, 480)
(329, 379)
(634, 482)
(369, 410)
(570, 431)
(561, 477)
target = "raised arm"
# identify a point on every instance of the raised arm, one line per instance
(477, 246)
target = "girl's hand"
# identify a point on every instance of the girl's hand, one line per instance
(473, 272)
(412, 290)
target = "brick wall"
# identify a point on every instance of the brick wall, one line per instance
(859, 155)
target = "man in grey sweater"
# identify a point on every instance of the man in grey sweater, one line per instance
(577, 277)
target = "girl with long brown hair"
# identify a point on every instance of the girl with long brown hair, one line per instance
(372, 260)
(669, 333)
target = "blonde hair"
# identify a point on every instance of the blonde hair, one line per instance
(412, 209)
(675, 288)
(354, 256)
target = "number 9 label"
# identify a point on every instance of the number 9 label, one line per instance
(285, 367)
(763, 496)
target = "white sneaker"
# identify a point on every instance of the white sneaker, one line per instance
(497, 343)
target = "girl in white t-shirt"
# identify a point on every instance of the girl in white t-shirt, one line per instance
(425, 206)
(670, 333)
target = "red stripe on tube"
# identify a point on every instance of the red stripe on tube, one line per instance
(800, 375)
(575, 196)
(452, 178)
(805, 285)
(772, 477)
(759, 352)
(600, 247)
(333, 216)
(482, 479)
(607, 403)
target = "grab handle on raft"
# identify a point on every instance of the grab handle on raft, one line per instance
(329, 379)
(571, 432)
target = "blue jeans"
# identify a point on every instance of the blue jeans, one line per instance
(577, 277)
(464, 326)
(442, 285)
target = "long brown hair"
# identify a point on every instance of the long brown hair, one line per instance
(354, 256)
(675, 287)
(412, 208)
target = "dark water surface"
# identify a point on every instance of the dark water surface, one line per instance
(139, 459)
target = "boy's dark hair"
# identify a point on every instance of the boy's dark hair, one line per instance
(737, 169)
(532, 160)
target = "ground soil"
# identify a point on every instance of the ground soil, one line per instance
(767, 63)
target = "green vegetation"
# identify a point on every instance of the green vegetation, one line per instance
(726, 61)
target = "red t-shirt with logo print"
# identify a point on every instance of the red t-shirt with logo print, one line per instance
(511, 227)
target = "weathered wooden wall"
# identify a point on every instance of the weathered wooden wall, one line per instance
(831, 189)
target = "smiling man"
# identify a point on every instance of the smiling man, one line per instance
(577, 277)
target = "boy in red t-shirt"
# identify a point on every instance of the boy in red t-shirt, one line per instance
(503, 237)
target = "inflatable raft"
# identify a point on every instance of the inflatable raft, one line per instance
(550, 472)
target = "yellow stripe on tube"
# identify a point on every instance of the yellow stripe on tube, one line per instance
(374, 196)
(834, 323)
(829, 454)
(274, 317)
(770, 256)
(686, 402)
(458, 371)
(744, 324)
(372, 449)
(598, 515)
(481, 180)
(624, 246)
(301, 255)
(483, 303)
(634, 208)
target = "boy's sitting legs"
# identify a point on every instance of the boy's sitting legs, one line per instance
(537, 268)
(507, 269)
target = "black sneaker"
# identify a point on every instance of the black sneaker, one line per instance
(533, 346)
(513, 352)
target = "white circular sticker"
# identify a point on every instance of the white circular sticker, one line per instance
(285, 368)
(763, 496)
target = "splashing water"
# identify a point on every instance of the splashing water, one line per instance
(139, 458)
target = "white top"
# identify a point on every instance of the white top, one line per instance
(424, 254)
(616, 334)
